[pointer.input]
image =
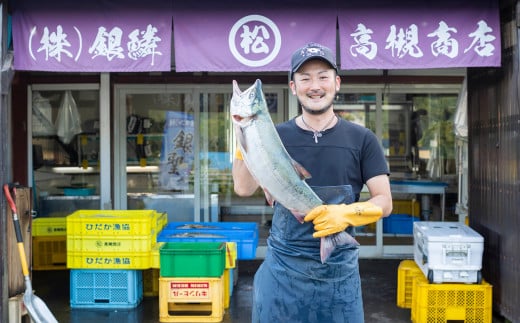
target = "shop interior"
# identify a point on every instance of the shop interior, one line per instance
(171, 146)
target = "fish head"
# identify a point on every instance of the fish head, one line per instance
(247, 105)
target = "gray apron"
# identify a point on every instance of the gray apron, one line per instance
(292, 285)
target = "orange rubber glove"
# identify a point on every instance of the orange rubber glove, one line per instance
(334, 218)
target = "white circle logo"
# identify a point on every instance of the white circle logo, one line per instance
(253, 40)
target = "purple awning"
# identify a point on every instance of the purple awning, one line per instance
(447, 34)
(93, 36)
(253, 36)
(224, 36)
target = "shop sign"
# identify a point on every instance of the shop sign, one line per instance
(88, 38)
(447, 34)
(238, 37)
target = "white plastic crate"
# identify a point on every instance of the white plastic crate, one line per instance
(448, 252)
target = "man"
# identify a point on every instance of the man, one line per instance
(292, 285)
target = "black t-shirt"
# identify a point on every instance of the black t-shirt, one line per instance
(347, 154)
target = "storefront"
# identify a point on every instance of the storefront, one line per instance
(150, 128)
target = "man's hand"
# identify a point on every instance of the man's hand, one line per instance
(334, 218)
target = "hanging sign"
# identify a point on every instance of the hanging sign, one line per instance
(244, 37)
(402, 36)
(92, 36)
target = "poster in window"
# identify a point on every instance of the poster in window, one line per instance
(177, 151)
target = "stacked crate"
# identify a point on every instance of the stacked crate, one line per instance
(191, 283)
(107, 250)
(49, 243)
(443, 282)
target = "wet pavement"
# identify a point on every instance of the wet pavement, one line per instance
(378, 278)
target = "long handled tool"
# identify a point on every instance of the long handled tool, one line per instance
(36, 308)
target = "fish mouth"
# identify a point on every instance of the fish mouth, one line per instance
(243, 119)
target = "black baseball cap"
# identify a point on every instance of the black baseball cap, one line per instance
(311, 51)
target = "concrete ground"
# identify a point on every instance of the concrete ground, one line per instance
(379, 282)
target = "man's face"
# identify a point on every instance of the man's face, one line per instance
(315, 84)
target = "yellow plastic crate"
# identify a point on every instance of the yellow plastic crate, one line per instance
(471, 303)
(151, 282)
(411, 207)
(231, 254)
(109, 243)
(53, 226)
(155, 261)
(162, 220)
(108, 260)
(406, 273)
(191, 299)
(113, 222)
(49, 252)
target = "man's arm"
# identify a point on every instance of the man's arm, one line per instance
(380, 194)
(243, 182)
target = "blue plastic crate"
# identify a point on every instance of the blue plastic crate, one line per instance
(244, 234)
(399, 223)
(105, 289)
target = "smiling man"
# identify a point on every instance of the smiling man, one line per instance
(292, 284)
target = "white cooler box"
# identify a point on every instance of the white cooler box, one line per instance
(448, 252)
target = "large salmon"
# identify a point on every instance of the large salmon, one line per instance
(281, 178)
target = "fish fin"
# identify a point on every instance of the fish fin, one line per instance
(304, 174)
(298, 215)
(269, 198)
(329, 243)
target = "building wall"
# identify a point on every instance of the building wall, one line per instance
(494, 167)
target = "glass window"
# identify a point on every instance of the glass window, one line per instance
(65, 148)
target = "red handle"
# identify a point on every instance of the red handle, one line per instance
(7, 193)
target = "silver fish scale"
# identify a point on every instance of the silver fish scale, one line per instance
(270, 163)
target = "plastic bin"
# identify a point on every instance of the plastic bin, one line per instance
(244, 234)
(406, 273)
(399, 223)
(192, 259)
(53, 226)
(191, 299)
(100, 244)
(105, 288)
(448, 252)
(108, 260)
(49, 252)
(113, 222)
(151, 282)
(451, 302)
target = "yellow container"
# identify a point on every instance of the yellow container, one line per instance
(108, 260)
(49, 252)
(451, 302)
(109, 243)
(155, 256)
(53, 226)
(227, 291)
(162, 220)
(411, 207)
(151, 282)
(191, 299)
(113, 222)
(406, 273)
(231, 254)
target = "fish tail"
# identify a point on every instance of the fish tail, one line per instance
(330, 242)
